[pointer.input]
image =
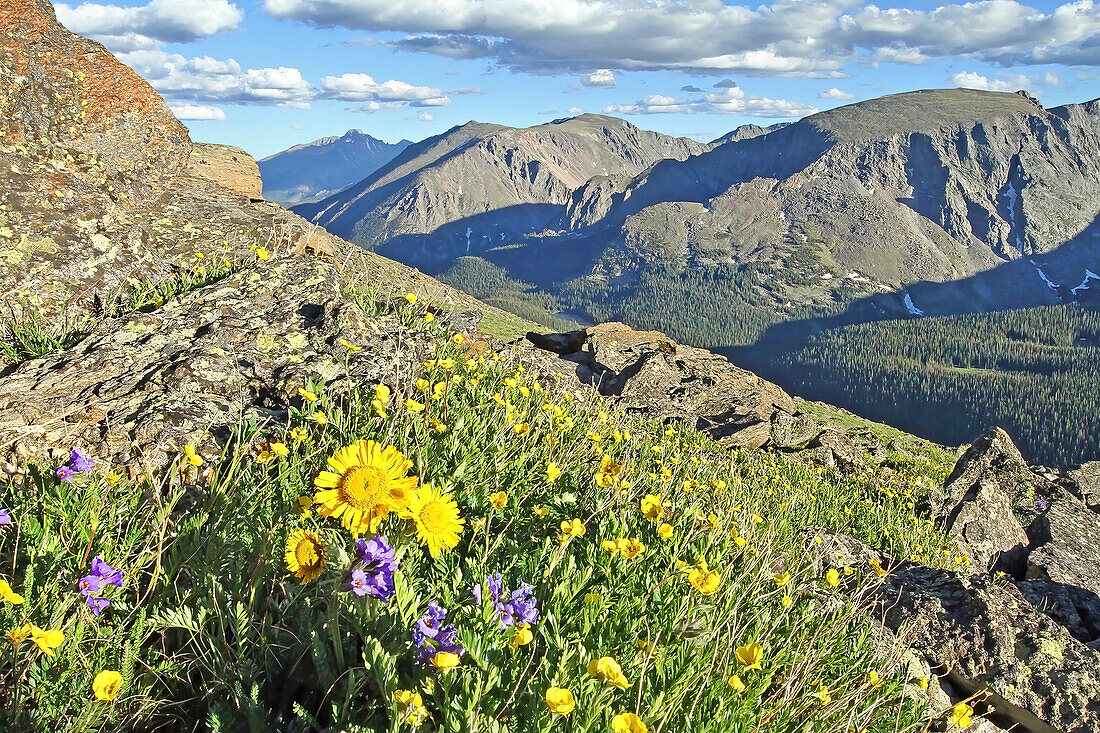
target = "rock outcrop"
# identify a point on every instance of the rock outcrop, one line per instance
(980, 635)
(645, 372)
(228, 167)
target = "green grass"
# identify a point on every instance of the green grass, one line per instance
(35, 336)
(210, 629)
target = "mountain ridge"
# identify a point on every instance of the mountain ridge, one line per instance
(317, 169)
(480, 168)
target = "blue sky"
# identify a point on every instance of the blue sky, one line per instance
(268, 74)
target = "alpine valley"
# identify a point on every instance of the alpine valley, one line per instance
(911, 206)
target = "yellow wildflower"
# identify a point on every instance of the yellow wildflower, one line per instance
(307, 395)
(106, 685)
(749, 656)
(445, 660)
(652, 507)
(8, 594)
(192, 455)
(47, 640)
(499, 499)
(411, 298)
(552, 472)
(540, 511)
(560, 700)
(736, 683)
(410, 707)
(627, 723)
(574, 527)
(608, 670)
(832, 577)
(664, 531)
(522, 637)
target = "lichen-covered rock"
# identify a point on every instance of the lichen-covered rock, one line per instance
(140, 388)
(1075, 608)
(793, 431)
(1065, 544)
(648, 373)
(981, 634)
(985, 528)
(835, 448)
(994, 460)
(1084, 483)
(62, 96)
(227, 166)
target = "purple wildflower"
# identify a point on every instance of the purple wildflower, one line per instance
(358, 584)
(517, 607)
(80, 461)
(64, 473)
(102, 574)
(89, 584)
(5, 518)
(379, 565)
(106, 573)
(1041, 505)
(432, 636)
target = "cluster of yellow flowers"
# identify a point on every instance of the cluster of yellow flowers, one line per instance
(365, 484)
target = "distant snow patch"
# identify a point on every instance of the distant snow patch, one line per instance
(826, 276)
(1089, 275)
(913, 309)
(469, 232)
(1043, 275)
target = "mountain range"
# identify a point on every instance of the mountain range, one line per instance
(318, 169)
(928, 202)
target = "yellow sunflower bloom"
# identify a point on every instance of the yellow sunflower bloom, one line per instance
(366, 483)
(438, 522)
(305, 555)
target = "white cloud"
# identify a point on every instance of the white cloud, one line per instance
(599, 78)
(205, 79)
(144, 27)
(392, 93)
(729, 101)
(575, 111)
(974, 80)
(836, 94)
(784, 38)
(425, 116)
(197, 112)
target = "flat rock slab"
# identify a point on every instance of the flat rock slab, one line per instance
(141, 388)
